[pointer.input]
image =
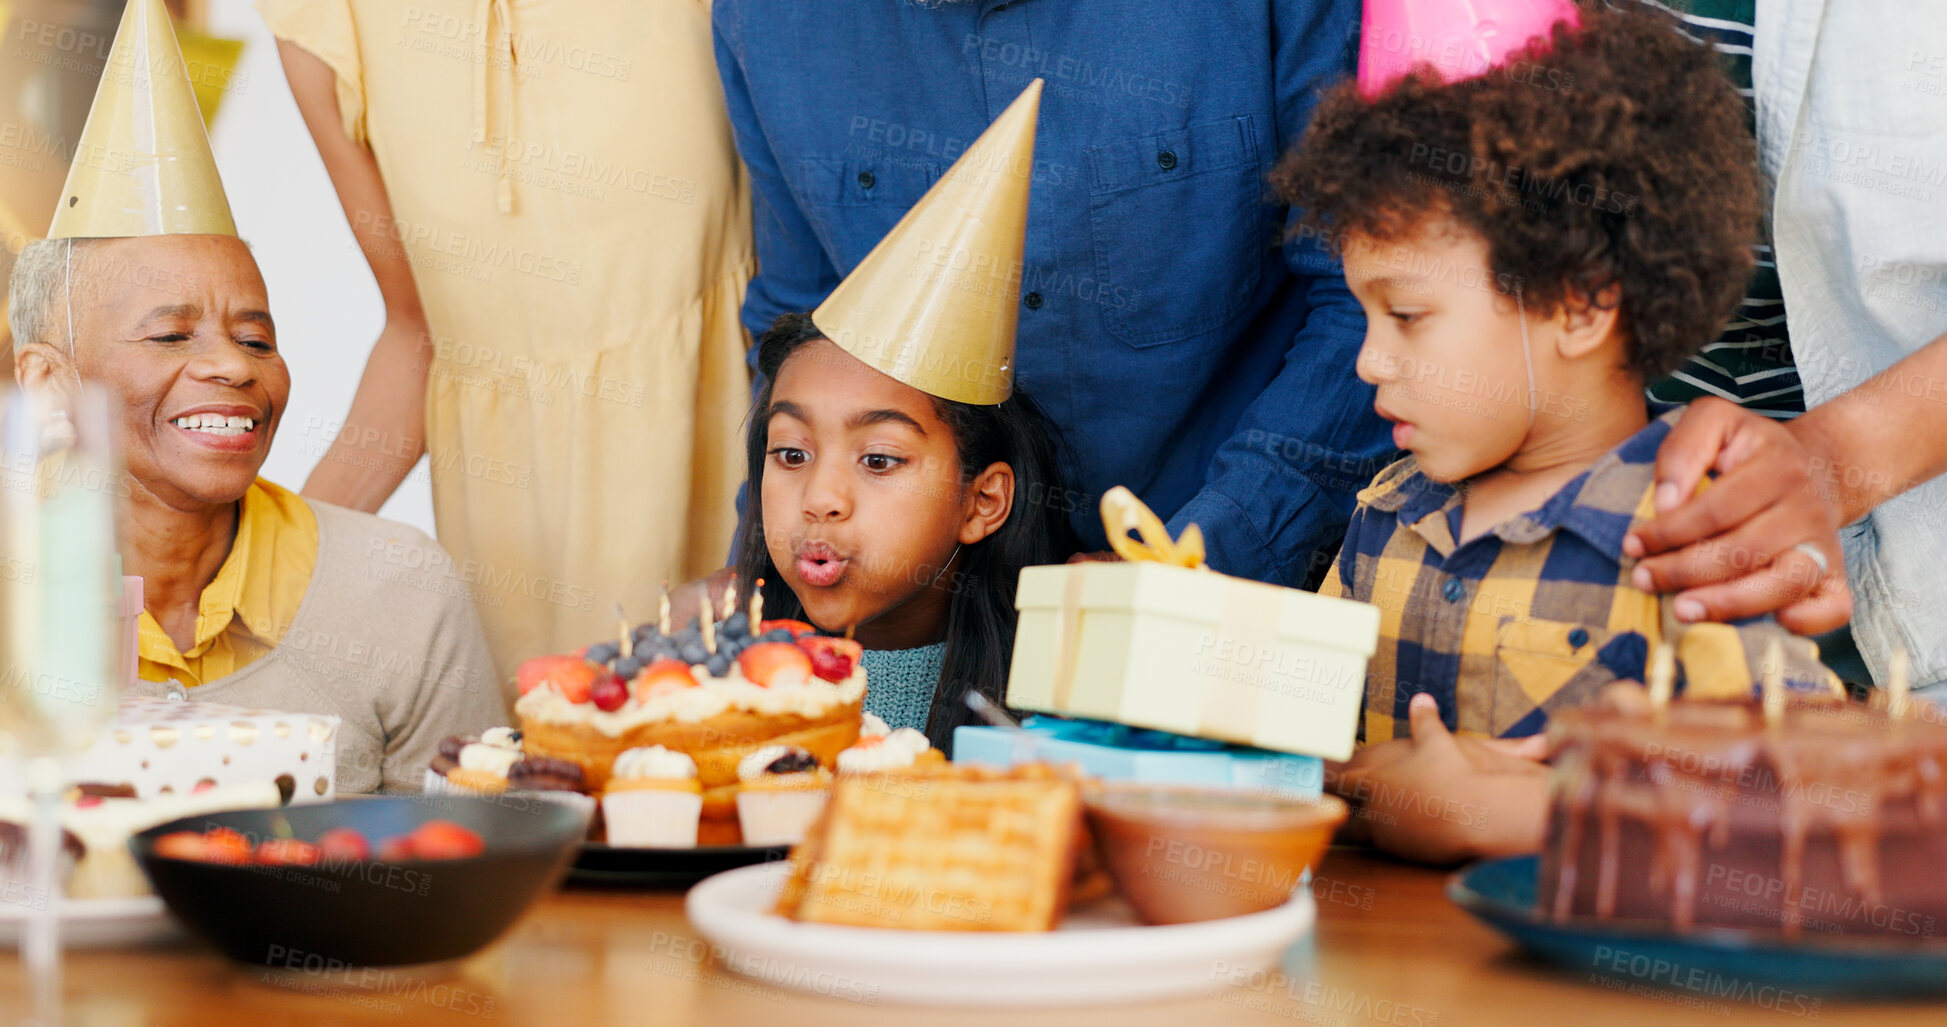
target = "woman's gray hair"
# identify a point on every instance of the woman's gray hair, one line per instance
(39, 289)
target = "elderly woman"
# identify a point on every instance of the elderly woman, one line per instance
(255, 596)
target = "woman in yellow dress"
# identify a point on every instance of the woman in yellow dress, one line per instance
(551, 201)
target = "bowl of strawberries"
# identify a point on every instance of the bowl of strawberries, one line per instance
(383, 881)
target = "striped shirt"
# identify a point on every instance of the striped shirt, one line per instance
(1533, 615)
(1750, 362)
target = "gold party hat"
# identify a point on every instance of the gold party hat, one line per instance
(936, 303)
(143, 165)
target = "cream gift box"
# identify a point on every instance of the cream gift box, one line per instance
(1193, 652)
(1159, 641)
(162, 746)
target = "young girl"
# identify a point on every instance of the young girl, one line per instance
(906, 518)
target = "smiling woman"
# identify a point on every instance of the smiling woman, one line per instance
(254, 596)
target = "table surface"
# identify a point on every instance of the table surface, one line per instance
(1390, 949)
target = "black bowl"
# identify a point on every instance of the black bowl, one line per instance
(366, 912)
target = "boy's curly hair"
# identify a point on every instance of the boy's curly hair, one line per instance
(1615, 154)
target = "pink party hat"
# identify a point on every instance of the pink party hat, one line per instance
(1458, 39)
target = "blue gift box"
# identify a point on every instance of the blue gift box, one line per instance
(1117, 752)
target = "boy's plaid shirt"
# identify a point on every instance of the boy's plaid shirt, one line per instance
(1534, 615)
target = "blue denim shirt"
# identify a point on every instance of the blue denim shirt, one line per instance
(1186, 348)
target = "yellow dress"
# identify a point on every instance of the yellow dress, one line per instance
(244, 611)
(564, 183)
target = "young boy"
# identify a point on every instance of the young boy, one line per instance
(1531, 246)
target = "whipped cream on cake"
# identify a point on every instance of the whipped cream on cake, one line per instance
(653, 761)
(711, 696)
(488, 758)
(895, 751)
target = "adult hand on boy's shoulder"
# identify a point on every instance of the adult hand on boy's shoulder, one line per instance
(1443, 798)
(1734, 551)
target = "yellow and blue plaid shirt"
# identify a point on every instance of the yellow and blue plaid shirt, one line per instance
(1532, 616)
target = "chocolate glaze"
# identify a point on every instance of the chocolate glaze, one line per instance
(545, 773)
(102, 789)
(1705, 815)
(450, 746)
(792, 763)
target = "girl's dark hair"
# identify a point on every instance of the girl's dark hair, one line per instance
(980, 616)
(1614, 155)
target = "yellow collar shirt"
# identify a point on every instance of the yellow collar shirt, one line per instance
(250, 604)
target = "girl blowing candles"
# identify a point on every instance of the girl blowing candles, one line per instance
(897, 482)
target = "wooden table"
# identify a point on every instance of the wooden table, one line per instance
(1390, 950)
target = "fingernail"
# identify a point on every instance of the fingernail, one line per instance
(1667, 496)
(1640, 577)
(1632, 547)
(1689, 610)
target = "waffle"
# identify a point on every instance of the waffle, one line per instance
(947, 848)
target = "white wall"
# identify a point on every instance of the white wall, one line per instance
(321, 292)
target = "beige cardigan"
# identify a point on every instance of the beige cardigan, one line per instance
(386, 639)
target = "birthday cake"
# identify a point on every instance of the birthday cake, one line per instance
(715, 693)
(162, 759)
(1811, 814)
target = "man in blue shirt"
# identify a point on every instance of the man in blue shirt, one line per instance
(1186, 348)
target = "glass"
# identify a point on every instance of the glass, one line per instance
(60, 650)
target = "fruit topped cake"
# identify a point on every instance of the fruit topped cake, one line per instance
(715, 692)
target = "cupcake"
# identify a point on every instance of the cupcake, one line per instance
(653, 800)
(551, 780)
(474, 765)
(900, 750)
(781, 790)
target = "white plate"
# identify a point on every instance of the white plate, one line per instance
(98, 923)
(1099, 953)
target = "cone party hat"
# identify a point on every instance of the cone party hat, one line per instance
(936, 303)
(1458, 39)
(143, 165)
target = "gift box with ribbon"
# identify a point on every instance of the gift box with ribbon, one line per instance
(1161, 641)
(157, 746)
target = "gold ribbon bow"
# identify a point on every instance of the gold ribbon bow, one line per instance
(1123, 513)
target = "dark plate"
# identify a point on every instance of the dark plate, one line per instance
(664, 868)
(366, 912)
(1731, 967)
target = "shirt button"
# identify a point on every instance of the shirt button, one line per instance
(1166, 160)
(1453, 590)
(1033, 300)
(1578, 638)
(867, 180)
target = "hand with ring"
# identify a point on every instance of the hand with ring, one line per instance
(1763, 538)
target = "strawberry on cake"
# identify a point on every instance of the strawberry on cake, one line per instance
(715, 693)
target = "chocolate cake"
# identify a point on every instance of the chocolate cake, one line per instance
(1704, 814)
